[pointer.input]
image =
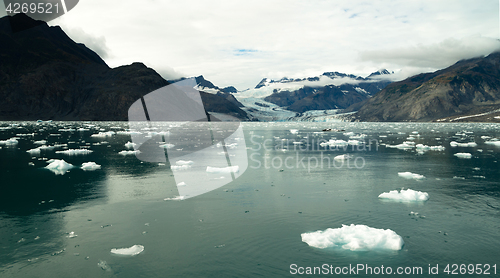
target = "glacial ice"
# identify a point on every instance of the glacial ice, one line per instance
(354, 238)
(180, 167)
(59, 167)
(422, 147)
(167, 146)
(177, 198)
(129, 152)
(234, 169)
(184, 162)
(103, 134)
(407, 195)
(41, 142)
(463, 155)
(470, 144)
(130, 145)
(9, 142)
(181, 183)
(493, 142)
(342, 157)
(75, 151)
(294, 131)
(404, 146)
(90, 166)
(131, 251)
(334, 143)
(409, 175)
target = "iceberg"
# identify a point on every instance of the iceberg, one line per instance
(184, 162)
(59, 167)
(180, 167)
(493, 142)
(409, 175)
(90, 166)
(177, 198)
(75, 151)
(9, 142)
(103, 134)
(181, 183)
(405, 195)
(167, 146)
(129, 152)
(470, 144)
(131, 251)
(463, 155)
(354, 238)
(422, 147)
(130, 145)
(342, 157)
(294, 131)
(233, 169)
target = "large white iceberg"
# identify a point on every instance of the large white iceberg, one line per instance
(131, 251)
(407, 195)
(355, 238)
(409, 175)
(59, 167)
(233, 169)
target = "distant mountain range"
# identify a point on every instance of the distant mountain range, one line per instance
(46, 75)
(466, 91)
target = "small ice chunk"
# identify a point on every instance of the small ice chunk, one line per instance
(342, 157)
(9, 142)
(177, 198)
(129, 152)
(181, 167)
(493, 142)
(407, 195)
(75, 151)
(409, 175)
(181, 183)
(103, 134)
(59, 167)
(463, 155)
(294, 131)
(131, 251)
(355, 238)
(234, 169)
(422, 147)
(130, 145)
(90, 166)
(41, 142)
(167, 146)
(72, 235)
(470, 144)
(184, 162)
(34, 152)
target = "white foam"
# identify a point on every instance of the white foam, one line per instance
(131, 251)
(90, 166)
(355, 238)
(234, 169)
(75, 151)
(129, 152)
(463, 155)
(184, 162)
(409, 175)
(470, 144)
(130, 145)
(407, 195)
(59, 167)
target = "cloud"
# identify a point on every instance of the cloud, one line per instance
(436, 55)
(96, 43)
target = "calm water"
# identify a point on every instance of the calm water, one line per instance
(251, 226)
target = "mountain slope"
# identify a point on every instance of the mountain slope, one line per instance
(467, 87)
(46, 75)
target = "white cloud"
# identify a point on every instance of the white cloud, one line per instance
(96, 43)
(285, 37)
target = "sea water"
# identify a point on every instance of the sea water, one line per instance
(119, 216)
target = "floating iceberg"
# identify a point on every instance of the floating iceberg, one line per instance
(493, 142)
(41, 142)
(404, 146)
(463, 155)
(334, 143)
(132, 251)
(294, 131)
(233, 169)
(75, 151)
(181, 183)
(354, 238)
(422, 147)
(177, 198)
(9, 142)
(409, 175)
(35, 151)
(470, 144)
(103, 134)
(184, 162)
(90, 166)
(180, 167)
(405, 195)
(167, 146)
(130, 145)
(342, 157)
(59, 167)
(129, 152)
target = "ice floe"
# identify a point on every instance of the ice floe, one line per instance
(90, 166)
(103, 134)
(130, 145)
(181, 183)
(422, 147)
(129, 152)
(409, 175)
(75, 151)
(59, 167)
(493, 142)
(404, 146)
(177, 198)
(9, 142)
(131, 251)
(294, 131)
(184, 162)
(167, 146)
(342, 157)
(233, 169)
(355, 238)
(180, 167)
(463, 155)
(456, 144)
(407, 195)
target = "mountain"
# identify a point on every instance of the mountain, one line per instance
(467, 88)
(46, 75)
(331, 90)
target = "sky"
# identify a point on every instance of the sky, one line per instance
(237, 43)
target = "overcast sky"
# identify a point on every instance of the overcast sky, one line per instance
(238, 43)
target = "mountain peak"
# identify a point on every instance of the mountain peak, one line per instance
(18, 22)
